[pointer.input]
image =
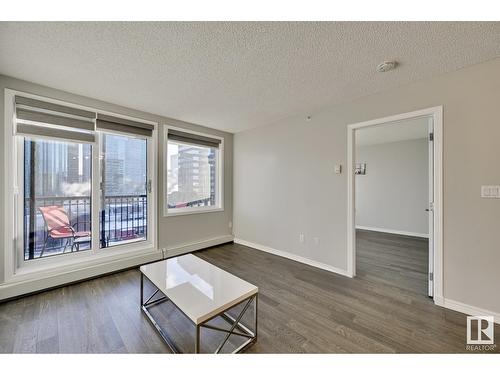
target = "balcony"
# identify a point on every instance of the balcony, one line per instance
(123, 220)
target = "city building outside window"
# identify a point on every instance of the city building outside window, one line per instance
(193, 176)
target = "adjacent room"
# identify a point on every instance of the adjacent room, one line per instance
(393, 198)
(249, 187)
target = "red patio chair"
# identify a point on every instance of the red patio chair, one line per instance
(59, 227)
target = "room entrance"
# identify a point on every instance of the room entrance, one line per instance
(394, 200)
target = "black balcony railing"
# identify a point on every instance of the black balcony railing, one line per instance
(123, 219)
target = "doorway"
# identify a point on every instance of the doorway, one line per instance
(430, 122)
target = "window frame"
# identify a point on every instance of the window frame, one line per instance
(15, 268)
(148, 241)
(219, 193)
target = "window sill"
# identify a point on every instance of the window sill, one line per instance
(29, 283)
(181, 212)
(34, 272)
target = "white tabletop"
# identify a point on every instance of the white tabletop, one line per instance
(198, 288)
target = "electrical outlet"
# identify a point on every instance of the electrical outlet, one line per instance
(301, 238)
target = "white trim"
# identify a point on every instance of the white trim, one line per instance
(75, 260)
(10, 189)
(438, 202)
(399, 117)
(294, 257)
(193, 246)
(393, 231)
(351, 213)
(13, 272)
(220, 178)
(466, 309)
(192, 210)
(54, 279)
(74, 265)
(437, 114)
(430, 196)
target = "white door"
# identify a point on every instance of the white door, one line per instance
(430, 208)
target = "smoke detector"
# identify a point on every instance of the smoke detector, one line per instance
(386, 66)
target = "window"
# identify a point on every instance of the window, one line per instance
(124, 189)
(193, 178)
(57, 197)
(83, 183)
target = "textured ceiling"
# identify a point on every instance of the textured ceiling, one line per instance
(393, 132)
(235, 76)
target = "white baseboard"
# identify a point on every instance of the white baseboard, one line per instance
(294, 257)
(393, 231)
(193, 246)
(466, 309)
(47, 281)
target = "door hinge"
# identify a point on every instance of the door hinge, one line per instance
(431, 137)
(149, 186)
(431, 276)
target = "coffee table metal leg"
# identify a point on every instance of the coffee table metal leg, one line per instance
(197, 339)
(142, 288)
(236, 321)
(255, 305)
(162, 333)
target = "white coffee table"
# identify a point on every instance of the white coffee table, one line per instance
(202, 292)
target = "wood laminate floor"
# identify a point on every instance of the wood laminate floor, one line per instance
(301, 309)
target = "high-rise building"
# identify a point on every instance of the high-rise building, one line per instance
(113, 177)
(194, 173)
(192, 176)
(213, 180)
(125, 165)
(59, 169)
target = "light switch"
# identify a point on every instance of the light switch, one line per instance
(490, 191)
(338, 168)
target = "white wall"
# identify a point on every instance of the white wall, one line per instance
(393, 195)
(284, 181)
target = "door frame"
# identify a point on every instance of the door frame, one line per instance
(437, 115)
